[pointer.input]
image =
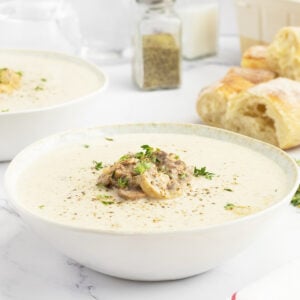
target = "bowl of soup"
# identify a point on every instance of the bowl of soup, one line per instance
(150, 201)
(42, 93)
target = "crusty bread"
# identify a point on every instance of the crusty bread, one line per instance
(213, 100)
(255, 58)
(283, 54)
(254, 76)
(268, 111)
(250, 101)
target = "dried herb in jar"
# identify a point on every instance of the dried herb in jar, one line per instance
(161, 61)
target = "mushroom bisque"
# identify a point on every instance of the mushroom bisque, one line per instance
(145, 182)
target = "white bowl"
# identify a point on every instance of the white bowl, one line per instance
(151, 256)
(19, 129)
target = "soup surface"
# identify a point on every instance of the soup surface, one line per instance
(47, 79)
(61, 185)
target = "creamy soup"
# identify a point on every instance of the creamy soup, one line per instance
(62, 185)
(47, 79)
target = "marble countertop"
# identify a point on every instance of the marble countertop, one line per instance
(30, 269)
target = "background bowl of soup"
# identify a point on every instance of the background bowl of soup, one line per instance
(52, 184)
(55, 94)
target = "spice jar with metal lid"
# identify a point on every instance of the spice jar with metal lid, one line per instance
(157, 46)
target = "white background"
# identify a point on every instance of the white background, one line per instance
(228, 24)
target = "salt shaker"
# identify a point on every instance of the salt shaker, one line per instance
(157, 46)
(199, 27)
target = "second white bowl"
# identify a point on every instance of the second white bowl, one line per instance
(20, 128)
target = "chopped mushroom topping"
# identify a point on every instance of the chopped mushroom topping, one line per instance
(9, 80)
(149, 173)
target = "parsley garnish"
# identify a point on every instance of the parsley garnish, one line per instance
(124, 157)
(109, 139)
(20, 73)
(43, 79)
(98, 165)
(228, 190)
(147, 154)
(86, 146)
(203, 172)
(142, 167)
(123, 182)
(38, 88)
(296, 199)
(182, 176)
(41, 206)
(148, 150)
(229, 206)
(102, 196)
(107, 202)
(139, 155)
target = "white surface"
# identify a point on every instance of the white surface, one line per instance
(283, 283)
(32, 270)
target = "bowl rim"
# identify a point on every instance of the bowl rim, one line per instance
(65, 56)
(19, 208)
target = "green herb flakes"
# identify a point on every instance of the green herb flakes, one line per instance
(41, 206)
(38, 88)
(5, 110)
(296, 199)
(98, 165)
(43, 79)
(109, 139)
(123, 182)
(124, 157)
(229, 206)
(203, 172)
(107, 202)
(182, 176)
(139, 155)
(142, 167)
(148, 154)
(86, 146)
(103, 196)
(148, 150)
(228, 190)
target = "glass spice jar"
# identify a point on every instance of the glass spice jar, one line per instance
(157, 46)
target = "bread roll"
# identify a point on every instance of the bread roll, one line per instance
(269, 111)
(213, 100)
(255, 58)
(254, 76)
(283, 54)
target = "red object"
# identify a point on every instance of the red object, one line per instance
(234, 297)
